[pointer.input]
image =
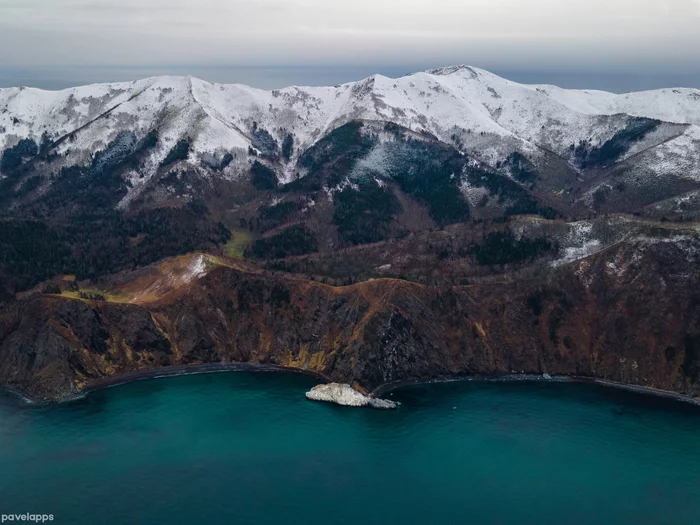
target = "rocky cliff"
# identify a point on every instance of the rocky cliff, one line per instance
(630, 313)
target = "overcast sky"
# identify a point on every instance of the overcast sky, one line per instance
(647, 37)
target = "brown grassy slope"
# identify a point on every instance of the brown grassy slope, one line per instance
(628, 314)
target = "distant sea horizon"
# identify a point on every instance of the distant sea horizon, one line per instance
(276, 77)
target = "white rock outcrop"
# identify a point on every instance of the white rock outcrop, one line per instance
(343, 394)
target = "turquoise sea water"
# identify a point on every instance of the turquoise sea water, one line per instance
(249, 448)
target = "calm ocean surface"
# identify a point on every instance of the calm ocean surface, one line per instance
(249, 448)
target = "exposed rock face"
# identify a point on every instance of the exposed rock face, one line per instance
(346, 395)
(630, 314)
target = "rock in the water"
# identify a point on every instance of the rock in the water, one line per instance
(383, 404)
(346, 395)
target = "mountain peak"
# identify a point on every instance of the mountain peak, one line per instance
(451, 70)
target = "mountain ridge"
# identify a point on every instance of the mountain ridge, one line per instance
(473, 110)
(605, 107)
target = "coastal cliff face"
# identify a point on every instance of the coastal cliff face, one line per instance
(629, 314)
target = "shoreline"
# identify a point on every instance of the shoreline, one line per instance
(648, 391)
(159, 373)
(382, 390)
(637, 389)
(17, 394)
(189, 370)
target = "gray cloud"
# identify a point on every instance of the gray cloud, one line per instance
(610, 34)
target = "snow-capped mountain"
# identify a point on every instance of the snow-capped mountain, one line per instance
(458, 223)
(580, 147)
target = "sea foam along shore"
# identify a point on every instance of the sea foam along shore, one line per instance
(345, 395)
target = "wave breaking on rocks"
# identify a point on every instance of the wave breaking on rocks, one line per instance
(345, 395)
